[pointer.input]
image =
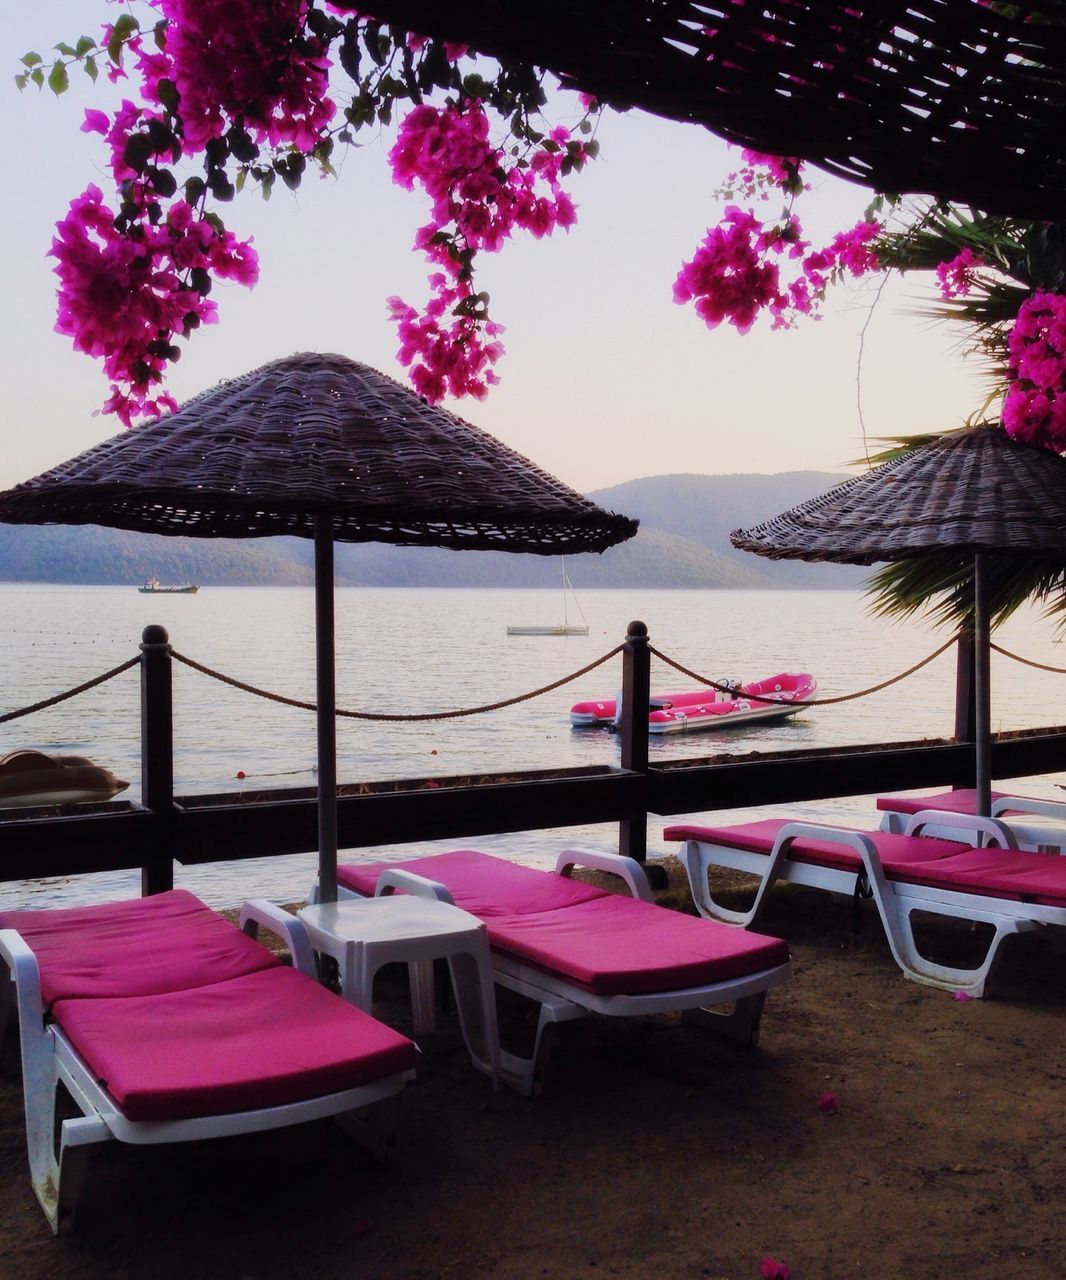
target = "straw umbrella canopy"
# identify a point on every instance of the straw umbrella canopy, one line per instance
(319, 446)
(974, 492)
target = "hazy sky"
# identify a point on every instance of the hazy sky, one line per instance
(605, 378)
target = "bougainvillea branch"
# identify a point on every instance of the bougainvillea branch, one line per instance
(229, 95)
(235, 95)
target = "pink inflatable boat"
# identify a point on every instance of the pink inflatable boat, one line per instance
(699, 709)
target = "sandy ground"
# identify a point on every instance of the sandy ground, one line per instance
(657, 1151)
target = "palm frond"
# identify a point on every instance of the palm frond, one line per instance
(900, 446)
(941, 586)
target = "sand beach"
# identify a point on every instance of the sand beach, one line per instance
(656, 1149)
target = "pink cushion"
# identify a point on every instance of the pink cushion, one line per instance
(1000, 873)
(481, 884)
(260, 1040)
(620, 946)
(964, 800)
(896, 852)
(600, 941)
(144, 946)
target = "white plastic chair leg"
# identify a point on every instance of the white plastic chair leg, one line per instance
(76, 1136)
(475, 999)
(740, 1024)
(697, 866)
(423, 997)
(526, 1075)
(375, 1127)
(918, 968)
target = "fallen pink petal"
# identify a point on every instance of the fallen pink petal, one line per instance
(962, 996)
(827, 1103)
(771, 1269)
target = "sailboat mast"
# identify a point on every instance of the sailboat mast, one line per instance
(562, 566)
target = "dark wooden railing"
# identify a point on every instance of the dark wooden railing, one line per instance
(164, 828)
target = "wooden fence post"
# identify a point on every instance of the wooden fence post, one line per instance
(157, 756)
(636, 694)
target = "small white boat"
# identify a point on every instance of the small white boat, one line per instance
(153, 587)
(700, 709)
(564, 628)
(30, 777)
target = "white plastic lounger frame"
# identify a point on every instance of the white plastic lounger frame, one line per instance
(895, 900)
(369, 1113)
(1032, 836)
(562, 1001)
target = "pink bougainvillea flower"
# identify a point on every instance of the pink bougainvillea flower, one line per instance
(125, 297)
(1035, 406)
(733, 277)
(479, 198)
(96, 122)
(956, 276)
(772, 1269)
(827, 1104)
(239, 60)
(961, 996)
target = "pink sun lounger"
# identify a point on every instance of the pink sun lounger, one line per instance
(578, 949)
(1038, 824)
(1011, 890)
(166, 1023)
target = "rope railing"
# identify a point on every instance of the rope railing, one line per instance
(71, 693)
(457, 713)
(1028, 662)
(398, 716)
(806, 702)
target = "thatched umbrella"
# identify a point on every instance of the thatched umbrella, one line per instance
(322, 447)
(973, 492)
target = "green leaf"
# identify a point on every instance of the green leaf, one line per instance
(85, 43)
(65, 49)
(167, 91)
(31, 59)
(91, 69)
(125, 26)
(58, 80)
(163, 182)
(37, 76)
(137, 152)
(21, 81)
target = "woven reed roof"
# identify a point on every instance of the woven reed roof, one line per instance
(976, 490)
(953, 98)
(265, 453)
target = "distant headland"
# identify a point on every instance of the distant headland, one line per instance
(685, 521)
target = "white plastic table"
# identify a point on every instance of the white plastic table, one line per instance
(362, 934)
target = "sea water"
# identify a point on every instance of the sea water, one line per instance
(421, 650)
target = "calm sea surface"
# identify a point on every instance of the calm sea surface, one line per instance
(412, 650)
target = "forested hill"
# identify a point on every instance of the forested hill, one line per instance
(683, 542)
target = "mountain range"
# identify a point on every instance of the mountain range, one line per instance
(685, 522)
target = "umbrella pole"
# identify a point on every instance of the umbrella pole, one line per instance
(326, 698)
(982, 684)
